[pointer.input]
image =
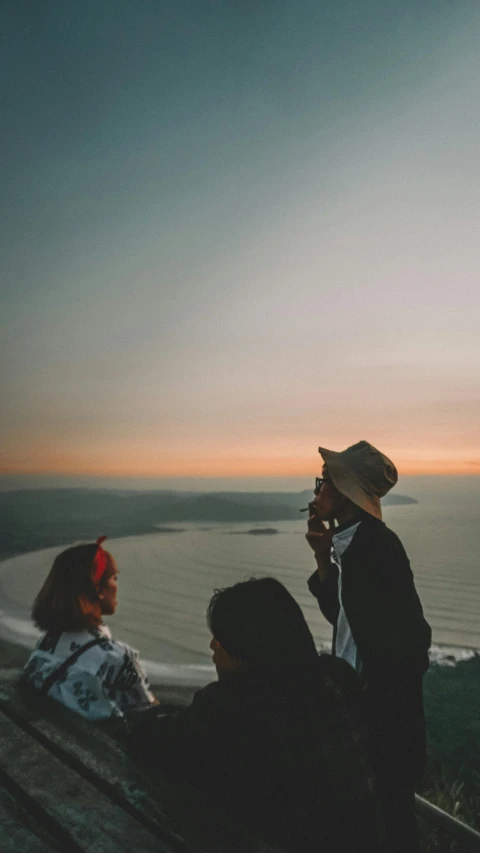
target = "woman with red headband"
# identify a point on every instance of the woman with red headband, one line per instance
(77, 662)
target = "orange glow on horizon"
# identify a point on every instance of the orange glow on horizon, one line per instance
(226, 466)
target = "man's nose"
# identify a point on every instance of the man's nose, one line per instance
(214, 644)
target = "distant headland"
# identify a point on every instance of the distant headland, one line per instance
(32, 519)
(392, 500)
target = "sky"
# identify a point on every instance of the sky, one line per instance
(233, 231)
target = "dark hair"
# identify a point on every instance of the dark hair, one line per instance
(259, 622)
(68, 600)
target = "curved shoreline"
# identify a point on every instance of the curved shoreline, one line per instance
(18, 636)
(16, 646)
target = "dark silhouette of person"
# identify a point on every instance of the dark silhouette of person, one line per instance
(278, 741)
(365, 588)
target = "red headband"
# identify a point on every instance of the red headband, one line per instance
(99, 562)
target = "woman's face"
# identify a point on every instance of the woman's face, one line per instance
(108, 592)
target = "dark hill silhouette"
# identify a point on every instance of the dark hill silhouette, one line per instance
(40, 518)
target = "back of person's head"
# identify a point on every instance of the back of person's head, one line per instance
(259, 622)
(69, 599)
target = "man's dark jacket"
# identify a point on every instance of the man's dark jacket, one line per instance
(392, 637)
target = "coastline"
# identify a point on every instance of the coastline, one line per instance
(14, 651)
(451, 698)
(159, 510)
(18, 636)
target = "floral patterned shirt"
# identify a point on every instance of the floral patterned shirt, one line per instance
(106, 680)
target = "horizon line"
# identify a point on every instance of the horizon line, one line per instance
(107, 475)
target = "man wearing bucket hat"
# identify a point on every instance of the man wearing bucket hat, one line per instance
(365, 589)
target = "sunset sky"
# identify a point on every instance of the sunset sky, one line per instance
(234, 231)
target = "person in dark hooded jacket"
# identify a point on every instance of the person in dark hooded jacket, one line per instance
(279, 741)
(364, 586)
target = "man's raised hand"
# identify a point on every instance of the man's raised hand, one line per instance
(319, 537)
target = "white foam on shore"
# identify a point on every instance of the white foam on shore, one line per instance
(23, 632)
(185, 674)
(20, 631)
(451, 655)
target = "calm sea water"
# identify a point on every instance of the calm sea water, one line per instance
(166, 579)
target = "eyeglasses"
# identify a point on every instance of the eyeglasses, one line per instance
(319, 481)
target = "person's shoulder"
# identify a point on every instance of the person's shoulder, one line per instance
(230, 699)
(119, 655)
(372, 531)
(43, 644)
(217, 693)
(62, 646)
(100, 648)
(116, 648)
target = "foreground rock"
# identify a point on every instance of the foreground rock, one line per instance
(67, 785)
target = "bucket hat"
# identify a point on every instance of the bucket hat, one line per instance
(361, 473)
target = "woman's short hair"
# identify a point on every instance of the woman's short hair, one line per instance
(68, 600)
(259, 622)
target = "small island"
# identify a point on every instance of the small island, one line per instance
(159, 529)
(255, 531)
(262, 531)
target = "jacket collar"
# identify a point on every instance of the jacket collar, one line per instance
(364, 517)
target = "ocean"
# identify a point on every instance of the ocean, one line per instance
(167, 578)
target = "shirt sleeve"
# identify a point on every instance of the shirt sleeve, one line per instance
(124, 680)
